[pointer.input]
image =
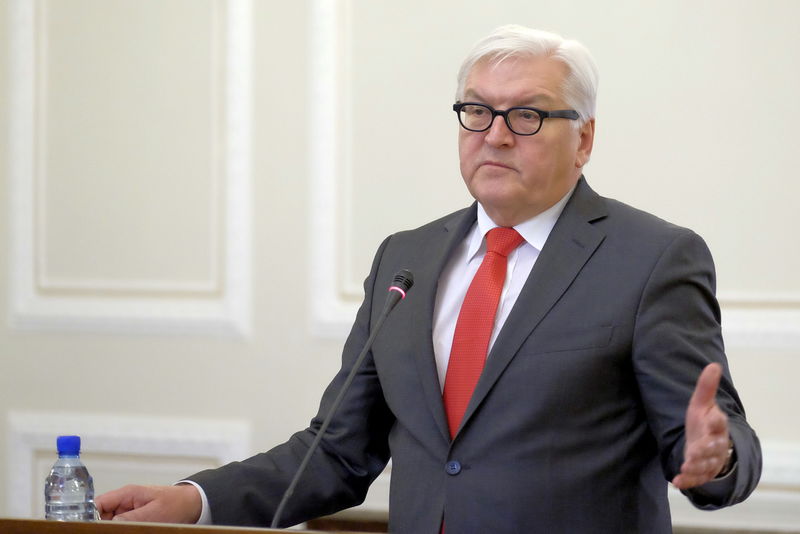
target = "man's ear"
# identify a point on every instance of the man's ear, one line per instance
(585, 144)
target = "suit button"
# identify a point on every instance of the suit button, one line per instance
(452, 467)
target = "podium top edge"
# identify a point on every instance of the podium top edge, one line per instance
(39, 526)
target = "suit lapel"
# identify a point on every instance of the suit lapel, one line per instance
(436, 251)
(571, 243)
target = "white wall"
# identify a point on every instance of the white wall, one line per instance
(159, 158)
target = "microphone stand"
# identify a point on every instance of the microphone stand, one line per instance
(403, 281)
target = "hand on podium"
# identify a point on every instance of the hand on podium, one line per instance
(151, 504)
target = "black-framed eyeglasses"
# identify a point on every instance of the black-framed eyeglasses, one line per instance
(520, 120)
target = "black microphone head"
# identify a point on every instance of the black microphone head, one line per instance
(401, 283)
(403, 280)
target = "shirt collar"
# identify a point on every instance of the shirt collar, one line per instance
(535, 231)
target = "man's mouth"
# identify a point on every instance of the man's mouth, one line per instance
(491, 163)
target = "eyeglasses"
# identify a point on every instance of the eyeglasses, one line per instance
(520, 120)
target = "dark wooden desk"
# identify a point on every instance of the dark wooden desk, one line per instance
(33, 526)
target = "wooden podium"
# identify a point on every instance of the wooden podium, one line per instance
(33, 526)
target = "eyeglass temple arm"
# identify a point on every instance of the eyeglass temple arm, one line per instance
(562, 114)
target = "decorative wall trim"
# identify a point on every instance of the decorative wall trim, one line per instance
(766, 509)
(766, 326)
(781, 469)
(76, 285)
(220, 306)
(223, 440)
(331, 311)
(770, 299)
(766, 320)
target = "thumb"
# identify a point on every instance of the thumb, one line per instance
(152, 512)
(705, 392)
(139, 514)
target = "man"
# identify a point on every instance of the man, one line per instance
(566, 404)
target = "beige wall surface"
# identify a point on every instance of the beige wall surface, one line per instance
(160, 159)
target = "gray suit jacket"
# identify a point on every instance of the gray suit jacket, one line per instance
(577, 421)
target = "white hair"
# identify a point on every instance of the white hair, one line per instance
(580, 85)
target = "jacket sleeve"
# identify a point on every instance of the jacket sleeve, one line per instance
(352, 454)
(678, 333)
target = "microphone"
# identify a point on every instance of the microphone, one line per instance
(401, 283)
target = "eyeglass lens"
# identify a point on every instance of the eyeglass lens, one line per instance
(521, 120)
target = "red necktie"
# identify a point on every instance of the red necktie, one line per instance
(475, 324)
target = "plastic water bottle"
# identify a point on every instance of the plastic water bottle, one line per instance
(69, 489)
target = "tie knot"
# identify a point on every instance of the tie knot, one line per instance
(502, 240)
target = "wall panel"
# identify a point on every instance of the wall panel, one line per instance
(130, 165)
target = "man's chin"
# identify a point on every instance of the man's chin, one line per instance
(501, 207)
(492, 192)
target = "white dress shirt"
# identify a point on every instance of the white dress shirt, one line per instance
(467, 257)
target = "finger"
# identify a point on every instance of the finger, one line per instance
(703, 464)
(714, 451)
(697, 474)
(117, 501)
(688, 479)
(705, 392)
(105, 503)
(684, 482)
(717, 424)
(143, 514)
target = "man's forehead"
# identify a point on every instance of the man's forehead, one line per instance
(536, 80)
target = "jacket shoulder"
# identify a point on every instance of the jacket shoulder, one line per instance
(450, 222)
(638, 224)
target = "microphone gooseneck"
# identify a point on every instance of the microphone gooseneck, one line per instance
(401, 283)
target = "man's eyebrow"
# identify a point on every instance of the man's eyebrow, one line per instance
(544, 99)
(534, 100)
(538, 100)
(470, 94)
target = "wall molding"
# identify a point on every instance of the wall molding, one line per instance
(73, 285)
(332, 312)
(771, 299)
(763, 327)
(219, 306)
(29, 431)
(766, 509)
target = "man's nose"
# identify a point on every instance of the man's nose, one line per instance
(498, 133)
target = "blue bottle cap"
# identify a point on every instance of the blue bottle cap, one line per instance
(69, 445)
